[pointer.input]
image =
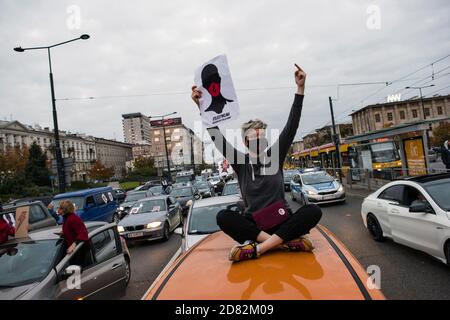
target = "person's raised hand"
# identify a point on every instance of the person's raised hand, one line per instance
(300, 78)
(196, 95)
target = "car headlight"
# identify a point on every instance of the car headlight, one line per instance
(152, 225)
(311, 193)
(341, 188)
(120, 229)
(121, 208)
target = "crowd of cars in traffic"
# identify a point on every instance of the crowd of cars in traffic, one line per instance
(414, 212)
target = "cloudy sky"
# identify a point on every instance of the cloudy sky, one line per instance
(142, 55)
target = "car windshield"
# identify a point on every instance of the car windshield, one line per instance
(384, 152)
(135, 196)
(316, 178)
(156, 205)
(231, 188)
(157, 189)
(288, 176)
(203, 219)
(27, 262)
(183, 179)
(181, 192)
(438, 190)
(202, 185)
(77, 201)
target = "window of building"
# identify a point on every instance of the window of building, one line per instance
(415, 114)
(156, 133)
(427, 112)
(390, 116)
(377, 118)
(156, 139)
(402, 115)
(439, 110)
(176, 130)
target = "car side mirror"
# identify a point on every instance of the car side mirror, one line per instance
(179, 231)
(197, 196)
(420, 207)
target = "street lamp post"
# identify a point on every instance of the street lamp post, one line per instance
(421, 97)
(423, 108)
(58, 154)
(191, 133)
(165, 141)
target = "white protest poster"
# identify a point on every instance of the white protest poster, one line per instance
(219, 101)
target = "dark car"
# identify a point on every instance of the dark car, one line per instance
(131, 198)
(231, 187)
(119, 195)
(44, 199)
(38, 267)
(184, 194)
(38, 215)
(151, 218)
(205, 188)
(159, 190)
(147, 186)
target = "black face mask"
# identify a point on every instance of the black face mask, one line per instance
(257, 145)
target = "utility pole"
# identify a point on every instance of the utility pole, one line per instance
(423, 111)
(335, 139)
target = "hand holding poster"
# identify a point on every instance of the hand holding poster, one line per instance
(218, 103)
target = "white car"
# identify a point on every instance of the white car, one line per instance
(414, 212)
(316, 187)
(201, 219)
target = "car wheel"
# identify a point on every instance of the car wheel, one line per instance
(166, 232)
(127, 271)
(116, 218)
(374, 228)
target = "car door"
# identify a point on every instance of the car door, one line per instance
(177, 210)
(389, 197)
(102, 269)
(101, 209)
(418, 230)
(89, 211)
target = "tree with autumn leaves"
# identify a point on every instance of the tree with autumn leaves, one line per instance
(100, 172)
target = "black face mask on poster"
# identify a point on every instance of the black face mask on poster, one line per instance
(211, 81)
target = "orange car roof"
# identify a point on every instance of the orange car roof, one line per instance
(330, 272)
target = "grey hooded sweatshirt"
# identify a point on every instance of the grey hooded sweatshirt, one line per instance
(259, 190)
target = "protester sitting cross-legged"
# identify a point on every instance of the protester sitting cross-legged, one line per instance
(267, 221)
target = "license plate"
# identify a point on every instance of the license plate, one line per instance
(135, 235)
(328, 197)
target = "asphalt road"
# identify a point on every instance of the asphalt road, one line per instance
(148, 259)
(405, 273)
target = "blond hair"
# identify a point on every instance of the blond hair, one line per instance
(252, 125)
(67, 207)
